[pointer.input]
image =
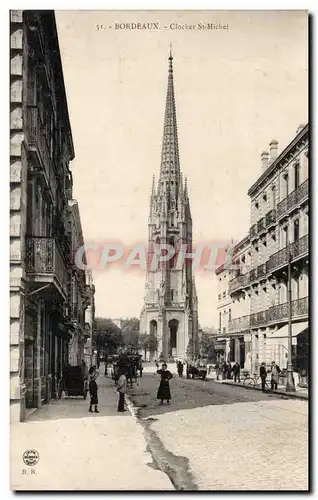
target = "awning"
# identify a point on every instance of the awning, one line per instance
(282, 333)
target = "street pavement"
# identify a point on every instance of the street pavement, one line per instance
(229, 438)
(83, 451)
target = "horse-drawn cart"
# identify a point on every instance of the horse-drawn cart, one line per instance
(196, 372)
(128, 364)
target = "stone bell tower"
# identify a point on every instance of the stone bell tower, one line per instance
(170, 310)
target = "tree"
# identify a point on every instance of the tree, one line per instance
(144, 343)
(130, 332)
(190, 348)
(107, 336)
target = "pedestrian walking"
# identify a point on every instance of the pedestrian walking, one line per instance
(140, 368)
(275, 371)
(164, 386)
(263, 375)
(217, 370)
(157, 366)
(93, 389)
(224, 370)
(180, 368)
(122, 389)
(236, 372)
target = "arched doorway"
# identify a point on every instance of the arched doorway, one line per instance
(153, 328)
(153, 344)
(173, 329)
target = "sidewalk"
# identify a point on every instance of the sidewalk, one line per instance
(300, 393)
(83, 451)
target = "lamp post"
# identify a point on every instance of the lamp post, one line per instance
(290, 384)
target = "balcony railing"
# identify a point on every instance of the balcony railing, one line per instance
(239, 282)
(253, 274)
(43, 257)
(270, 217)
(261, 224)
(299, 247)
(238, 324)
(261, 270)
(280, 312)
(36, 139)
(296, 249)
(293, 199)
(258, 318)
(282, 208)
(253, 231)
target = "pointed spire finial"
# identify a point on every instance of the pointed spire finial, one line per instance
(170, 55)
(153, 190)
(185, 186)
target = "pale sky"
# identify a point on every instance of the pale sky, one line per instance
(235, 90)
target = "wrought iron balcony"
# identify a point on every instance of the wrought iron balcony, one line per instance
(238, 324)
(261, 270)
(258, 319)
(253, 274)
(302, 191)
(297, 250)
(237, 283)
(37, 144)
(282, 208)
(293, 200)
(253, 231)
(280, 312)
(270, 217)
(45, 263)
(261, 225)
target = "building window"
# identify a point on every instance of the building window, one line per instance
(230, 314)
(296, 175)
(296, 230)
(274, 198)
(171, 295)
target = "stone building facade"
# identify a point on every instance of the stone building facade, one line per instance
(90, 325)
(259, 275)
(41, 264)
(170, 311)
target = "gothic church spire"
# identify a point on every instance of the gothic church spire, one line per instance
(170, 167)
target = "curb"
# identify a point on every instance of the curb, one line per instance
(290, 395)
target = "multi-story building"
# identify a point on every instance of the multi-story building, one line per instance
(233, 311)
(79, 294)
(89, 317)
(278, 233)
(41, 149)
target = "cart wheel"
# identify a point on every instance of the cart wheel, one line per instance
(85, 394)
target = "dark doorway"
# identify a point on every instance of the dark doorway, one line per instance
(153, 328)
(173, 328)
(242, 351)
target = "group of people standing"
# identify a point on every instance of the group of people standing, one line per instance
(91, 376)
(274, 371)
(227, 371)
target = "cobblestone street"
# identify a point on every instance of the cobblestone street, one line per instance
(232, 438)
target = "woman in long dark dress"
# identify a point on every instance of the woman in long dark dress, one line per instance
(164, 386)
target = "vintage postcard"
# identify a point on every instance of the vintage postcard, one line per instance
(159, 250)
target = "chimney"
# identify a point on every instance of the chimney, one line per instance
(273, 147)
(264, 160)
(299, 128)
